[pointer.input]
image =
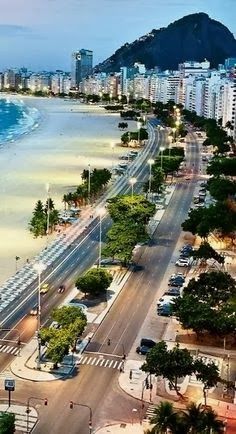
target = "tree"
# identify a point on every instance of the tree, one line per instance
(67, 315)
(95, 282)
(164, 418)
(137, 209)
(222, 166)
(57, 348)
(221, 188)
(193, 418)
(205, 252)
(208, 374)
(211, 424)
(121, 239)
(157, 181)
(7, 423)
(207, 304)
(170, 364)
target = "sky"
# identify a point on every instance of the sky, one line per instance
(42, 34)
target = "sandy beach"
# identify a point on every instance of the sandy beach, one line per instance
(69, 137)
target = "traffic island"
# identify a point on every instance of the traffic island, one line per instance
(25, 418)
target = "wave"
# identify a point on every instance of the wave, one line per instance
(16, 119)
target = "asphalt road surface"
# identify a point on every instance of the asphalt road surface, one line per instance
(97, 386)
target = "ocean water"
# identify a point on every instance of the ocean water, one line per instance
(16, 119)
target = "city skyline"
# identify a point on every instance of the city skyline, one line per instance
(44, 37)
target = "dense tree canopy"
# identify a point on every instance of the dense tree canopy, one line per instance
(95, 281)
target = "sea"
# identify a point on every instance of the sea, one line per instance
(16, 119)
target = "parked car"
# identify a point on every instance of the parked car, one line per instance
(179, 279)
(179, 274)
(182, 262)
(165, 299)
(175, 291)
(164, 310)
(145, 346)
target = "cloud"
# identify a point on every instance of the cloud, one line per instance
(12, 30)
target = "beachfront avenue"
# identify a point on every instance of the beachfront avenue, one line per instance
(95, 386)
(74, 258)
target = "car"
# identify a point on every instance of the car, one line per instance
(182, 262)
(176, 283)
(61, 289)
(34, 311)
(44, 288)
(54, 325)
(145, 346)
(177, 278)
(175, 291)
(185, 254)
(179, 274)
(164, 310)
(186, 247)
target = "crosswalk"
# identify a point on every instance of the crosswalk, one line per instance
(9, 349)
(101, 361)
(150, 412)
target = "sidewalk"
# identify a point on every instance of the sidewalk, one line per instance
(24, 422)
(24, 365)
(125, 428)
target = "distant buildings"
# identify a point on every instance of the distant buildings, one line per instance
(210, 93)
(81, 67)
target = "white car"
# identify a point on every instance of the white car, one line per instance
(182, 262)
(166, 299)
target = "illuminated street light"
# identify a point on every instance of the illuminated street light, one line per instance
(101, 213)
(132, 181)
(39, 267)
(161, 150)
(48, 210)
(150, 162)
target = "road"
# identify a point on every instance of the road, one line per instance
(97, 386)
(76, 259)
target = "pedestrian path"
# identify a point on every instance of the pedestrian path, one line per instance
(150, 412)
(9, 349)
(101, 361)
(24, 423)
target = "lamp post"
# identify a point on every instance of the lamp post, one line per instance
(132, 181)
(162, 149)
(72, 403)
(48, 210)
(110, 97)
(150, 162)
(45, 400)
(39, 267)
(169, 143)
(139, 124)
(127, 96)
(101, 213)
(112, 148)
(174, 131)
(119, 97)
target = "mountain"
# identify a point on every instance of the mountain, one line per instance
(193, 37)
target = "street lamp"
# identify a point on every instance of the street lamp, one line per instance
(132, 181)
(162, 149)
(170, 143)
(39, 267)
(48, 210)
(45, 400)
(127, 96)
(174, 131)
(101, 213)
(113, 148)
(72, 403)
(110, 97)
(139, 125)
(150, 162)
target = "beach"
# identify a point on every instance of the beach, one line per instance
(69, 136)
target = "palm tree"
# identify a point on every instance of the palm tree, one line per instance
(212, 425)
(165, 418)
(193, 418)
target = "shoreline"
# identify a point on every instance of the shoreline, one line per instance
(29, 121)
(68, 138)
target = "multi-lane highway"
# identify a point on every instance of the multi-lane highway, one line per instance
(79, 255)
(96, 385)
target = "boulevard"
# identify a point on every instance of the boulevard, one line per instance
(97, 386)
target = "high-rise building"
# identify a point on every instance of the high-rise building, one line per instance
(82, 66)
